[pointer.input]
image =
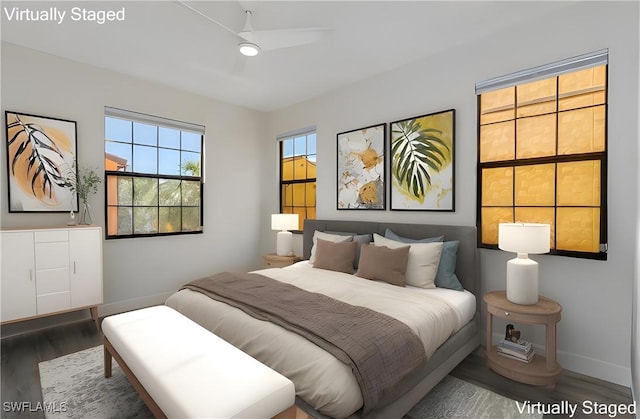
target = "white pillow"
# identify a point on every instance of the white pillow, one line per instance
(327, 237)
(424, 259)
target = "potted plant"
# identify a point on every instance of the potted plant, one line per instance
(84, 182)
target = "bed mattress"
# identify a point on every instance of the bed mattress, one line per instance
(322, 381)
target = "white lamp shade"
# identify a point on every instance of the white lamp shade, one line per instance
(284, 222)
(524, 237)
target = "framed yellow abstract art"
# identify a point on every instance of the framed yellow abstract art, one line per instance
(40, 157)
(422, 162)
(361, 168)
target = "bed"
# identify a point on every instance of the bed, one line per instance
(325, 386)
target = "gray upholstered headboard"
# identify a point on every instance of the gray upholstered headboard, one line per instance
(467, 266)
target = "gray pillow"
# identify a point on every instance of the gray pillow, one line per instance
(359, 238)
(335, 256)
(381, 263)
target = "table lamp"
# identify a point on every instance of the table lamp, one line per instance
(522, 272)
(284, 222)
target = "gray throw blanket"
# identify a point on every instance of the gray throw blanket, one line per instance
(380, 349)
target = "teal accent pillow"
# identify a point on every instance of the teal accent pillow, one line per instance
(446, 275)
(389, 234)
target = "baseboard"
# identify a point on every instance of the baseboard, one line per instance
(580, 364)
(133, 304)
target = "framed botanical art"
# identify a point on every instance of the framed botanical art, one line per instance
(422, 162)
(41, 152)
(361, 168)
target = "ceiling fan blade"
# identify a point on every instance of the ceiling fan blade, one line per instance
(284, 38)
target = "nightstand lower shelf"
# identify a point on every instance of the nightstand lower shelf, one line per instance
(535, 372)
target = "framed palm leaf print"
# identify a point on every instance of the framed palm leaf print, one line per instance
(422, 162)
(361, 168)
(40, 156)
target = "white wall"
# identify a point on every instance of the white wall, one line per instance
(635, 334)
(144, 271)
(593, 335)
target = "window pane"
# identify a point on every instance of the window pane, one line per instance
(287, 168)
(145, 159)
(583, 88)
(311, 143)
(169, 162)
(535, 185)
(298, 194)
(190, 164)
(170, 192)
(125, 220)
(145, 134)
(538, 215)
(311, 167)
(310, 192)
(145, 220)
(190, 219)
(287, 148)
(300, 168)
(191, 141)
(491, 217)
(498, 105)
(497, 187)
(497, 142)
(581, 131)
(190, 193)
(145, 192)
(169, 138)
(578, 229)
(300, 146)
(170, 219)
(117, 129)
(536, 98)
(302, 214)
(579, 183)
(536, 136)
(287, 195)
(117, 156)
(124, 192)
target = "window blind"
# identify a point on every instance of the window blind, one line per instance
(567, 65)
(153, 120)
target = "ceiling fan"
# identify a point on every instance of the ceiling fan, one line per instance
(251, 42)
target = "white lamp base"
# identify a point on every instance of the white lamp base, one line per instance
(522, 280)
(284, 243)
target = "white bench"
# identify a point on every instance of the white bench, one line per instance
(182, 370)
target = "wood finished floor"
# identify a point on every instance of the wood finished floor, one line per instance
(21, 379)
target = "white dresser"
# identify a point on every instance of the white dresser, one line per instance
(50, 271)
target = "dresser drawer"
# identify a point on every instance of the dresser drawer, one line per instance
(54, 255)
(50, 303)
(51, 236)
(52, 280)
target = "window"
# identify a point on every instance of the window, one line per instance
(153, 172)
(298, 175)
(542, 154)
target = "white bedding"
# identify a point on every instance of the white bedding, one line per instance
(321, 380)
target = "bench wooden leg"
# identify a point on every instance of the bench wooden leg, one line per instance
(290, 413)
(110, 351)
(94, 316)
(107, 361)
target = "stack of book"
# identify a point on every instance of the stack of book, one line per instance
(520, 350)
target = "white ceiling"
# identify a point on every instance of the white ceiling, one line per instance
(164, 41)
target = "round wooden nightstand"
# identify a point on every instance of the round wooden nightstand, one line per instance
(541, 370)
